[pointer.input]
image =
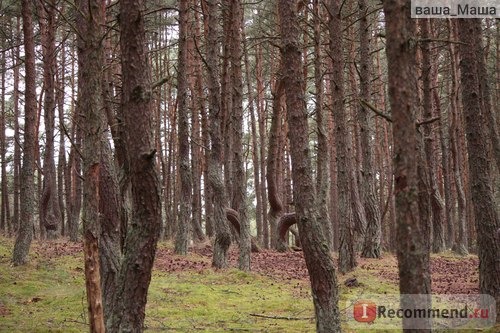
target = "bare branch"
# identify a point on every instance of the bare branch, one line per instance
(379, 113)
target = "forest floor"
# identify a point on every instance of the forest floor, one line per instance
(187, 295)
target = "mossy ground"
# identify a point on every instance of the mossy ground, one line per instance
(48, 295)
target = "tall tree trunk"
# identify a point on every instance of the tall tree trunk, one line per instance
(316, 251)
(323, 155)
(75, 169)
(198, 102)
(101, 254)
(113, 203)
(413, 255)
(61, 160)
(371, 245)
(239, 197)
(49, 201)
(261, 119)
(5, 211)
(347, 259)
(456, 153)
(445, 142)
(226, 101)
(73, 181)
(437, 205)
(480, 163)
(27, 193)
(17, 142)
(255, 150)
(273, 170)
(181, 239)
(215, 175)
(209, 206)
(144, 228)
(489, 113)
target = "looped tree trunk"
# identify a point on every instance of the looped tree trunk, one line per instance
(285, 222)
(234, 218)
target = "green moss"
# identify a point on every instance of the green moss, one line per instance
(48, 295)
(225, 300)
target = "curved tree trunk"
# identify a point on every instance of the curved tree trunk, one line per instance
(316, 251)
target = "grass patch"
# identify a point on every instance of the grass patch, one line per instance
(225, 301)
(48, 295)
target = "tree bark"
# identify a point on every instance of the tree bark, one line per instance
(323, 155)
(273, 192)
(255, 150)
(261, 119)
(61, 160)
(456, 153)
(27, 190)
(239, 175)
(49, 201)
(198, 109)
(5, 221)
(347, 259)
(134, 276)
(371, 245)
(17, 142)
(215, 175)
(429, 132)
(181, 238)
(480, 160)
(316, 251)
(100, 210)
(413, 254)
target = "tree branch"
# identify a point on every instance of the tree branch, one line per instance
(160, 82)
(428, 121)
(280, 317)
(378, 112)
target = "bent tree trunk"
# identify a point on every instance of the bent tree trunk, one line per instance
(316, 251)
(233, 218)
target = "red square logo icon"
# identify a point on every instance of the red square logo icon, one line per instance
(365, 311)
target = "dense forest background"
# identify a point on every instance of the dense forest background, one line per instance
(125, 122)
